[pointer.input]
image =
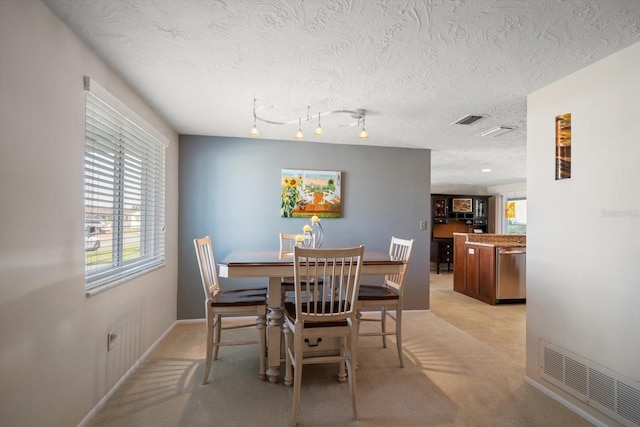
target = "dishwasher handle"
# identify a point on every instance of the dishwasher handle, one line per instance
(511, 252)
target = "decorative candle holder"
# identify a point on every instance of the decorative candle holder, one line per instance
(313, 234)
(318, 234)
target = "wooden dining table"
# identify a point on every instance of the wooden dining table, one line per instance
(269, 264)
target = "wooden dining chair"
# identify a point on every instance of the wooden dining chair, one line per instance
(330, 314)
(228, 303)
(287, 243)
(387, 296)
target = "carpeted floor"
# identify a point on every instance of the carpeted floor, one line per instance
(449, 379)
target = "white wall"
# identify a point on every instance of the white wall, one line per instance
(54, 365)
(508, 188)
(471, 190)
(583, 290)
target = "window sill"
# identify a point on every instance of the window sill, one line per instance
(101, 288)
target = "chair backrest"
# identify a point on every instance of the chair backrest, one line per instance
(207, 264)
(326, 283)
(399, 249)
(287, 243)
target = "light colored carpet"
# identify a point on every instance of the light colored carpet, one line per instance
(449, 379)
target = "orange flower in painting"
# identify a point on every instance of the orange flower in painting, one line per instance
(293, 182)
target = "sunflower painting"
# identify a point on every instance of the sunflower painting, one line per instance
(305, 193)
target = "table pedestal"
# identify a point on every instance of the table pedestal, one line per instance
(275, 313)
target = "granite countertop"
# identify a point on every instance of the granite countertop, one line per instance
(496, 240)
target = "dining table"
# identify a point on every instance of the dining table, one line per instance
(249, 263)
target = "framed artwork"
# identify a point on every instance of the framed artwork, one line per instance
(563, 146)
(307, 193)
(461, 205)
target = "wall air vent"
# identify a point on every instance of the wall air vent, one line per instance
(468, 119)
(609, 392)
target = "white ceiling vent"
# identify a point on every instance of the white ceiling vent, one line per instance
(498, 130)
(468, 119)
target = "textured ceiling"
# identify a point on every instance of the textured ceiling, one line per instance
(414, 66)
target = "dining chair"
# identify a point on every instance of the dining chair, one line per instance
(387, 296)
(315, 315)
(287, 243)
(221, 303)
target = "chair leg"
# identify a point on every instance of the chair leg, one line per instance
(358, 322)
(383, 318)
(399, 335)
(207, 366)
(261, 325)
(342, 372)
(297, 379)
(350, 361)
(216, 335)
(288, 377)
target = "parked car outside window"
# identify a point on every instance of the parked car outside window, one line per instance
(95, 226)
(91, 242)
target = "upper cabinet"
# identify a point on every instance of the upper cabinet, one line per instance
(440, 209)
(480, 210)
(458, 213)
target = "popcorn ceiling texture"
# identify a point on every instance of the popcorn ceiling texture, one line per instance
(415, 66)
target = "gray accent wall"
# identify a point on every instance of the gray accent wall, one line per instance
(230, 190)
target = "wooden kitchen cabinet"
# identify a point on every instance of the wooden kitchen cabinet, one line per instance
(442, 252)
(449, 218)
(459, 263)
(440, 209)
(474, 272)
(487, 274)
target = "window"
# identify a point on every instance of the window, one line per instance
(516, 216)
(124, 170)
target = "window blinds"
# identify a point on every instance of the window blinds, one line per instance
(124, 191)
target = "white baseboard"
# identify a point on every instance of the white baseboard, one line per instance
(561, 400)
(107, 396)
(188, 321)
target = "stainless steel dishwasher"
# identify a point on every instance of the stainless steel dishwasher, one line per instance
(511, 283)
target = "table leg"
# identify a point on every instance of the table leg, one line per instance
(275, 315)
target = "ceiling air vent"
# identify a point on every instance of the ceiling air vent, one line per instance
(498, 130)
(468, 119)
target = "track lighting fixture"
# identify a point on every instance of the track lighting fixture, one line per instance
(358, 114)
(318, 130)
(363, 133)
(254, 129)
(299, 134)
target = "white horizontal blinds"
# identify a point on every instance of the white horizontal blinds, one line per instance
(124, 189)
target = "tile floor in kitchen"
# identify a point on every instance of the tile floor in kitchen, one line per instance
(502, 326)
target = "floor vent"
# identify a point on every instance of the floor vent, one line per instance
(468, 119)
(610, 393)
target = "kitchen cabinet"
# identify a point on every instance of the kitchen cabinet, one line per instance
(480, 272)
(459, 263)
(442, 252)
(440, 210)
(480, 206)
(477, 271)
(469, 211)
(452, 214)
(474, 270)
